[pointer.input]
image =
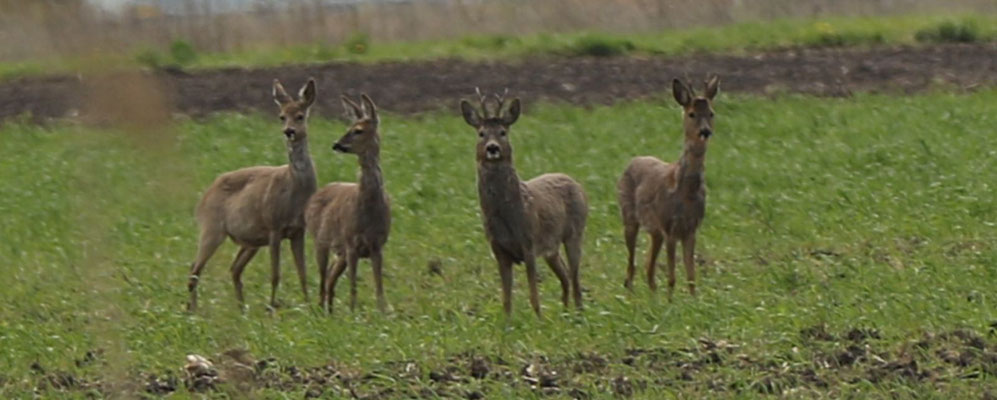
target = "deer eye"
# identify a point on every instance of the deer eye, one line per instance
(481, 134)
(358, 131)
(502, 133)
(282, 118)
(711, 114)
(692, 115)
(300, 117)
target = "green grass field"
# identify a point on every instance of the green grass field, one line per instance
(825, 217)
(739, 37)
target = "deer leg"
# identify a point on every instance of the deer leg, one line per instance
(554, 261)
(531, 278)
(330, 282)
(238, 265)
(630, 235)
(574, 250)
(376, 259)
(688, 251)
(505, 272)
(208, 244)
(322, 259)
(652, 259)
(351, 262)
(274, 267)
(670, 253)
(298, 251)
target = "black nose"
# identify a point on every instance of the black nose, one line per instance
(288, 131)
(705, 133)
(492, 148)
(339, 147)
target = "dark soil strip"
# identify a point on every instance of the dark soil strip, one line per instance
(413, 87)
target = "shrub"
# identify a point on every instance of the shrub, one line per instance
(182, 52)
(601, 46)
(357, 43)
(949, 32)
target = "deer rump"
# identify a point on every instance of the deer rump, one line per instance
(327, 209)
(242, 196)
(654, 202)
(555, 210)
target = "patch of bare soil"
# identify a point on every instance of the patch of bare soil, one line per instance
(823, 363)
(411, 87)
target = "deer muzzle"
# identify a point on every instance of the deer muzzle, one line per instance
(493, 151)
(705, 133)
(340, 148)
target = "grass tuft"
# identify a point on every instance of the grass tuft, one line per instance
(950, 32)
(597, 45)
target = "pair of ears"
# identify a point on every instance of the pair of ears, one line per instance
(475, 118)
(365, 110)
(306, 95)
(684, 94)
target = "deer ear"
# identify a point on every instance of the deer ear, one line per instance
(712, 87)
(307, 93)
(681, 92)
(351, 108)
(512, 114)
(369, 109)
(279, 94)
(471, 115)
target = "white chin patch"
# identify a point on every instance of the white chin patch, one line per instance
(493, 156)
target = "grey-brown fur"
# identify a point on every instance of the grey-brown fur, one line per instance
(261, 206)
(669, 200)
(353, 219)
(525, 220)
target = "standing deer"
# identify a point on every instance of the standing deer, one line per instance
(669, 200)
(352, 219)
(524, 220)
(260, 206)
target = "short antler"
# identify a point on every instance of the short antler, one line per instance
(483, 102)
(500, 100)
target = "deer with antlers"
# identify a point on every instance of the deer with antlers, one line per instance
(669, 200)
(261, 206)
(352, 219)
(525, 220)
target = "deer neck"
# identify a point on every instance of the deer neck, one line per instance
(692, 168)
(371, 182)
(301, 167)
(500, 190)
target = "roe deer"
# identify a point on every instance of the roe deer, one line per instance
(669, 200)
(260, 206)
(352, 219)
(524, 220)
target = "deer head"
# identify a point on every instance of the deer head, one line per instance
(697, 111)
(492, 125)
(294, 113)
(362, 136)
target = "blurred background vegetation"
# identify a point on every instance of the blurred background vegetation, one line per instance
(39, 36)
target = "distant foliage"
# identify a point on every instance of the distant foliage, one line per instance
(182, 52)
(358, 43)
(150, 58)
(828, 36)
(601, 46)
(490, 42)
(949, 32)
